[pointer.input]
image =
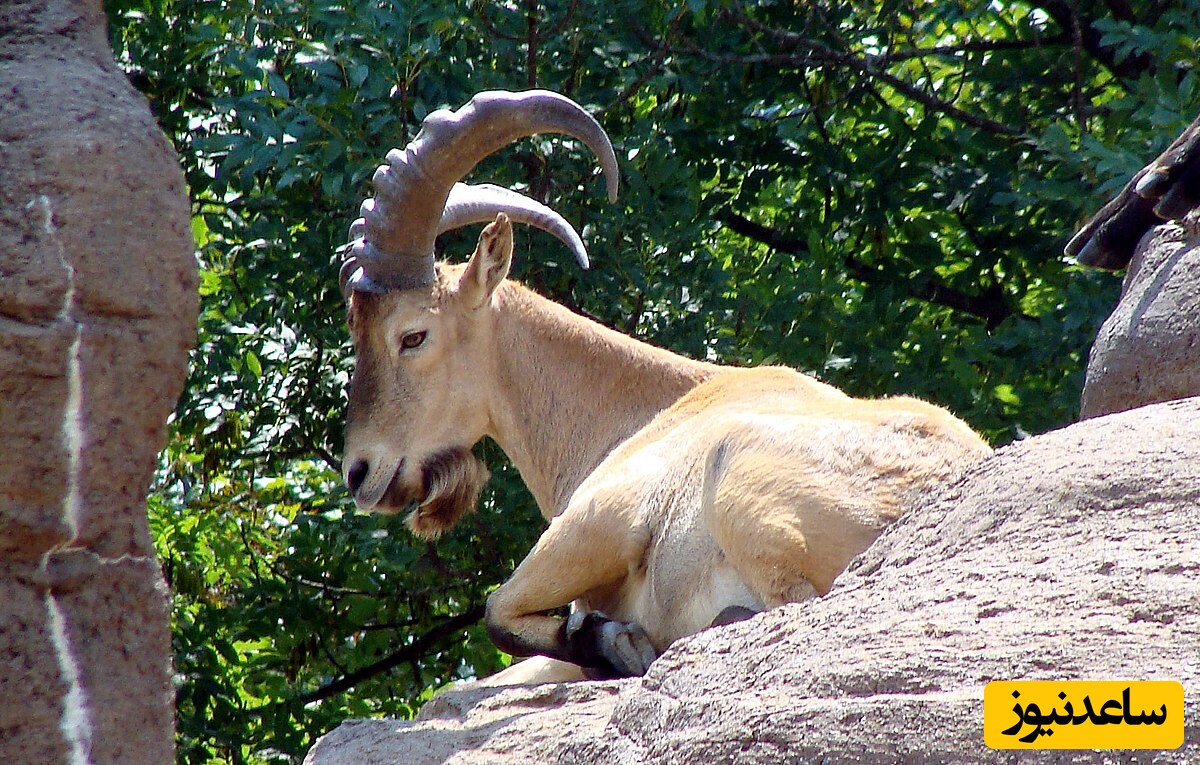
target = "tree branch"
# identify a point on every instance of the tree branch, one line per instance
(414, 650)
(771, 237)
(931, 101)
(532, 41)
(481, 8)
(790, 39)
(970, 46)
(567, 16)
(816, 52)
(1065, 14)
(656, 63)
(870, 66)
(991, 305)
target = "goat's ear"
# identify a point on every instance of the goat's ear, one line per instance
(490, 263)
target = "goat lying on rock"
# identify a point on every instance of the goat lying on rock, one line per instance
(678, 493)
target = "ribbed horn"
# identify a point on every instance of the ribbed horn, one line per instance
(394, 237)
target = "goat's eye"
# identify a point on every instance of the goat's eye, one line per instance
(412, 340)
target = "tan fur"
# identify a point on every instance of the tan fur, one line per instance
(673, 488)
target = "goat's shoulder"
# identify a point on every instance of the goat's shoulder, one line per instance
(783, 392)
(753, 389)
(738, 385)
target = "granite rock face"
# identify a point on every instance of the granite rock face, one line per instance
(1074, 554)
(98, 309)
(1148, 350)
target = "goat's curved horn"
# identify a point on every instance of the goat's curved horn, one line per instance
(395, 235)
(479, 203)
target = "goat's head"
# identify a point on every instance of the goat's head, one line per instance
(421, 330)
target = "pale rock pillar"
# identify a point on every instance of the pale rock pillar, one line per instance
(1148, 350)
(98, 309)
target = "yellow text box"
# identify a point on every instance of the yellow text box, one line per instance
(1083, 714)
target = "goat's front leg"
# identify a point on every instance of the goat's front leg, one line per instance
(607, 648)
(583, 551)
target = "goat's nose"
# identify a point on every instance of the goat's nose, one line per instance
(356, 475)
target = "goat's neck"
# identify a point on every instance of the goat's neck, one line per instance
(567, 390)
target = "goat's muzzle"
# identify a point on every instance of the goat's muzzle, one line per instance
(448, 488)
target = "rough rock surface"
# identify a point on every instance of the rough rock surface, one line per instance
(97, 310)
(1071, 555)
(1148, 350)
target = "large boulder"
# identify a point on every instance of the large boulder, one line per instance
(1148, 350)
(98, 308)
(1071, 555)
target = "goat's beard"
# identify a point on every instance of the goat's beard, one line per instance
(451, 482)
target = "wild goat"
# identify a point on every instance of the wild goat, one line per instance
(678, 493)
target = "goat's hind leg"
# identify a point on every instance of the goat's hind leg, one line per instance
(732, 615)
(584, 550)
(536, 670)
(788, 539)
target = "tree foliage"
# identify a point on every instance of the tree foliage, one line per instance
(874, 192)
